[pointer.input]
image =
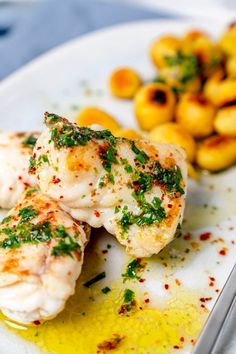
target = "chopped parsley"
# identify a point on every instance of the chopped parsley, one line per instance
(32, 164)
(133, 269)
(27, 213)
(25, 232)
(141, 156)
(42, 159)
(31, 191)
(7, 219)
(106, 290)
(129, 302)
(30, 141)
(150, 213)
(65, 247)
(95, 279)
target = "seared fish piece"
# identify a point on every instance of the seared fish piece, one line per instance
(41, 254)
(136, 190)
(15, 152)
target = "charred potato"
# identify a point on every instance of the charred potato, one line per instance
(124, 82)
(162, 48)
(93, 115)
(225, 121)
(217, 153)
(196, 114)
(154, 104)
(173, 133)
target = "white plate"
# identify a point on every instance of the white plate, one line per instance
(75, 75)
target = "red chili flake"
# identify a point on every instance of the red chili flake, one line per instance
(187, 237)
(10, 188)
(223, 251)
(204, 299)
(39, 148)
(211, 283)
(176, 347)
(104, 251)
(55, 180)
(142, 280)
(217, 290)
(90, 184)
(37, 322)
(169, 205)
(205, 236)
(166, 286)
(26, 184)
(203, 306)
(162, 197)
(212, 278)
(61, 197)
(34, 155)
(96, 213)
(181, 339)
(192, 341)
(19, 178)
(146, 301)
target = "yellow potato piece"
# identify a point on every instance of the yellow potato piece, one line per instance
(226, 92)
(172, 75)
(165, 46)
(231, 67)
(93, 115)
(154, 104)
(217, 153)
(228, 40)
(211, 86)
(128, 133)
(124, 82)
(173, 133)
(196, 114)
(225, 121)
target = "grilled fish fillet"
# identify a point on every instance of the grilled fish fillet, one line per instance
(41, 254)
(15, 152)
(136, 190)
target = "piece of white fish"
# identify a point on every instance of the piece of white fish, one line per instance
(41, 254)
(136, 190)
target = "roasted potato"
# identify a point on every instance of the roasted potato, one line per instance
(128, 133)
(226, 92)
(208, 53)
(228, 40)
(154, 104)
(124, 82)
(211, 86)
(173, 133)
(93, 115)
(216, 153)
(231, 67)
(196, 114)
(162, 48)
(180, 79)
(225, 121)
